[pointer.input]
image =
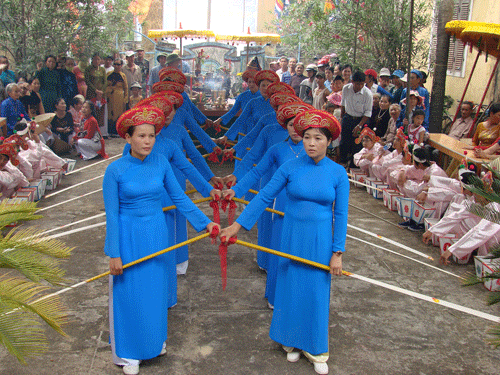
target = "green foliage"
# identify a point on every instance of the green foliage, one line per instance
(24, 304)
(370, 33)
(30, 30)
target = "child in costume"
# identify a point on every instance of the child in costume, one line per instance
(384, 163)
(34, 156)
(11, 178)
(371, 149)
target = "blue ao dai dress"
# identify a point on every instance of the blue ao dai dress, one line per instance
(176, 157)
(239, 104)
(302, 301)
(133, 193)
(177, 133)
(274, 158)
(269, 136)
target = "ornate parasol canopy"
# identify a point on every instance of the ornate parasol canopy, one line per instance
(248, 38)
(180, 33)
(484, 36)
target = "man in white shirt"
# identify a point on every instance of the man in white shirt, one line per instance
(356, 110)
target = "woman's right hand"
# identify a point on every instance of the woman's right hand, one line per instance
(229, 194)
(229, 178)
(115, 266)
(230, 231)
(221, 140)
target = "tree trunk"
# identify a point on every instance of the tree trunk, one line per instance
(444, 15)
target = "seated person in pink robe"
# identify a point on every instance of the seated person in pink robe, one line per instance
(371, 149)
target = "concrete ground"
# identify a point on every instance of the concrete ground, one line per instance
(372, 330)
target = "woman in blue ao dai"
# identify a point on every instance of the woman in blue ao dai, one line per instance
(314, 184)
(133, 188)
(274, 158)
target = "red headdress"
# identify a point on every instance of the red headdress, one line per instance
(168, 86)
(266, 75)
(279, 87)
(371, 72)
(172, 74)
(367, 132)
(17, 140)
(290, 110)
(174, 97)
(317, 119)
(140, 116)
(10, 150)
(248, 74)
(281, 98)
(159, 101)
(401, 136)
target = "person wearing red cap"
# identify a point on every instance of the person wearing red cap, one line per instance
(371, 83)
(314, 185)
(136, 227)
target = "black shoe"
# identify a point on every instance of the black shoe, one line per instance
(405, 224)
(414, 227)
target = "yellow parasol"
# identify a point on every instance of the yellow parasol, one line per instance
(180, 33)
(249, 37)
(483, 36)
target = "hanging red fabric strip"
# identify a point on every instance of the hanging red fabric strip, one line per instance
(223, 258)
(215, 206)
(227, 156)
(232, 209)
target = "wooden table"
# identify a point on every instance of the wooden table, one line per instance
(451, 147)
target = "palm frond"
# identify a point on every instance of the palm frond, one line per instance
(31, 239)
(494, 331)
(483, 211)
(493, 298)
(34, 266)
(23, 211)
(21, 307)
(32, 255)
(471, 279)
(494, 251)
(496, 173)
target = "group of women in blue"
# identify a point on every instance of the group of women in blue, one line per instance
(306, 187)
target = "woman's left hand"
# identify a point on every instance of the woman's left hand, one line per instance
(336, 264)
(211, 226)
(216, 181)
(215, 193)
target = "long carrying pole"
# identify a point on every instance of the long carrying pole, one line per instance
(484, 96)
(466, 87)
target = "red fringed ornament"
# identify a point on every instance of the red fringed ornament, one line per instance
(213, 234)
(227, 156)
(215, 206)
(232, 209)
(223, 258)
(214, 155)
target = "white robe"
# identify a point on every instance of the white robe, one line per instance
(11, 179)
(365, 164)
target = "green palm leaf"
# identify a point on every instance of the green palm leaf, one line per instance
(11, 213)
(21, 308)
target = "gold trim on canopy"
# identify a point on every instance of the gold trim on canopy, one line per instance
(484, 36)
(180, 33)
(260, 38)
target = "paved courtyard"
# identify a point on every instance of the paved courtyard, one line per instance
(372, 330)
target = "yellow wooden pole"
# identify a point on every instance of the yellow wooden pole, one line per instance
(168, 208)
(285, 255)
(194, 239)
(267, 209)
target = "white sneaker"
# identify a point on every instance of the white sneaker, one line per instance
(293, 356)
(131, 369)
(321, 367)
(163, 349)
